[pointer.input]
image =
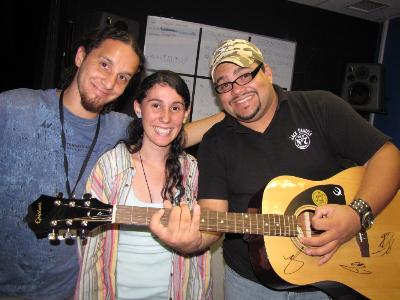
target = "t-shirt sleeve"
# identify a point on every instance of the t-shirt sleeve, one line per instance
(212, 169)
(349, 134)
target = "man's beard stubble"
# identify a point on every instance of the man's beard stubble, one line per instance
(91, 104)
(248, 117)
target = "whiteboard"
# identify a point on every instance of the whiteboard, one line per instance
(186, 48)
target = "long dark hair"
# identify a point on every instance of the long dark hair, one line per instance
(173, 174)
(94, 39)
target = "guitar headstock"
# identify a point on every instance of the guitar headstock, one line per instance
(58, 218)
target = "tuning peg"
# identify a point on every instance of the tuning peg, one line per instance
(67, 235)
(82, 234)
(87, 196)
(52, 236)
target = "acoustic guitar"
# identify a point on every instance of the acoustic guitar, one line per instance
(366, 266)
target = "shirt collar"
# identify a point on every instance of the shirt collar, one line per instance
(126, 161)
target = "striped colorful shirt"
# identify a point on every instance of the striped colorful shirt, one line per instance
(109, 182)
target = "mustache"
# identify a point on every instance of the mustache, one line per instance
(241, 96)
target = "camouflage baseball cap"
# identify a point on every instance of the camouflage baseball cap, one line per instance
(237, 51)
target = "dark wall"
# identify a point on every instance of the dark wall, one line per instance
(23, 27)
(325, 41)
(390, 123)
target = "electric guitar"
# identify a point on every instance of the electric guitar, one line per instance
(366, 266)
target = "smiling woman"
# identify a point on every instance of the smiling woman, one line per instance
(146, 169)
(163, 111)
(163, 101)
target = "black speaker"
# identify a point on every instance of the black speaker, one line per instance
(86, 23)
(363, 87)
(101, 18)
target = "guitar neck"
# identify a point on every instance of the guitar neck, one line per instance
(214, 221)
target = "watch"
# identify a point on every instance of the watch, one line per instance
(363, 209)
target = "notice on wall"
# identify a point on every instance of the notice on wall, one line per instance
(186, 48)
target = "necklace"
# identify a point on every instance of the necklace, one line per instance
(145, 177)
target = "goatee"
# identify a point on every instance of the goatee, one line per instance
(91, 105)
(248, 117)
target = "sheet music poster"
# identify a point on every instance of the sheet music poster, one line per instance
(186, 48)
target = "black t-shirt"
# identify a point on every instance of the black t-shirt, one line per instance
(313, 135)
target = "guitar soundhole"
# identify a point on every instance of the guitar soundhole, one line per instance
(304, 227)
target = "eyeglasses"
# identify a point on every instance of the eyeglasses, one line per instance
(241, 80)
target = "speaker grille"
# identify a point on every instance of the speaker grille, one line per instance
(363, 87)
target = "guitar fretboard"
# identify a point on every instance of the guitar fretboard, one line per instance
(214, 221)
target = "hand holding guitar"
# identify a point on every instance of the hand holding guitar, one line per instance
(339, 224)
(182, 232)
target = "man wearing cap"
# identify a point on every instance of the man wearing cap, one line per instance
(268, 132)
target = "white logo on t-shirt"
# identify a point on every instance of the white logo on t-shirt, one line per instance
(301, 138)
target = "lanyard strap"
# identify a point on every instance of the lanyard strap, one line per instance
(63, 142)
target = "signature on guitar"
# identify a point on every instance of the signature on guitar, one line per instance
(385, 246)
(294, 264)
(357, 267)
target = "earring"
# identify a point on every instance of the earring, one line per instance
(138, 114)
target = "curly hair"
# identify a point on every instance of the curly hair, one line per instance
(173, 174)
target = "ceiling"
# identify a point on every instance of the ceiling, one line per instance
(372, 10)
